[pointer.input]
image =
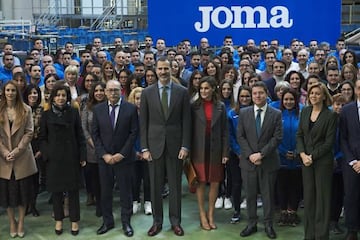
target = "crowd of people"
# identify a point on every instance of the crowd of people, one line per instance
(279, 124)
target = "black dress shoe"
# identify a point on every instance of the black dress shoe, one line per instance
(74, 232)
(155, 229)
(178, 230)
(248, 231)
(128, 230)
(104, 229)
(269, 230)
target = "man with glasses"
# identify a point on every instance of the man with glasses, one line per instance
(114, 131)
(303, 58)
(35, 54)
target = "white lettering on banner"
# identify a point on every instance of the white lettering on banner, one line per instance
(280, 17)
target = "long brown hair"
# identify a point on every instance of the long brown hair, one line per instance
(20, 109)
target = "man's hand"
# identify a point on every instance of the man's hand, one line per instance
(356, 167)
(255, 158)
(147, 156)
(107, 158)
(306, 159)
(117, 157)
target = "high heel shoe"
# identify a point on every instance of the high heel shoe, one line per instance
(20, 230)
(58, 228)
(58, 232)
(13, 234)
(74, 228)
(13, 230)
(212, 225)
(204, 224)
(21, 234)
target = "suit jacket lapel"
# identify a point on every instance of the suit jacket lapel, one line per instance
(156, 99)
(173, 98)
(216, 113)
(356, 118)
(201, 113)
(266, 121)
(252, 124)
(118, 117)
(7, 126)
(15, 126)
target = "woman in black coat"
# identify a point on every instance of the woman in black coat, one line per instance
(63, 146)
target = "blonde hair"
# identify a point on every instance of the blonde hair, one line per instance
(131, 98)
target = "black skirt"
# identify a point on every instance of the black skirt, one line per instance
(14, 193)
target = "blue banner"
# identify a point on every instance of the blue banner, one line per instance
(244, 19)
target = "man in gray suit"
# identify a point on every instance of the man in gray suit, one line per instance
(165, 140)
(259, 134)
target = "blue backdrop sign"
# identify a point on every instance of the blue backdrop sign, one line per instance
(244, 19)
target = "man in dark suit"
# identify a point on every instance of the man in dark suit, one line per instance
(165, 141)
(350, 145)
(114, 130)
(259, 134)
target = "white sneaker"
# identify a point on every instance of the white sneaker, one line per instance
(227, 203)
(243, 204)
(259, 202)
(136, 207)
(147, 208)
(219, 202)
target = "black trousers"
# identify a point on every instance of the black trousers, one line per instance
(236, 181)
(337, 196)
(141, 175)
(158, 168)
(352, 198)
(74, 205)
(122, 173)
(288, 188)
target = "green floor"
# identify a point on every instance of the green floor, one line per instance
(43, 227)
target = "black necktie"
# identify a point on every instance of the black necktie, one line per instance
(258, 122)
(164, 100)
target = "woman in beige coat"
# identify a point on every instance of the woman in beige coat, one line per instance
(17, 163)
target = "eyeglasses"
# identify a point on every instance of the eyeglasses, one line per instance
(245, 96)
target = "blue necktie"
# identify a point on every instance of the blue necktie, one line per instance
(112, 116)
(258, 122)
